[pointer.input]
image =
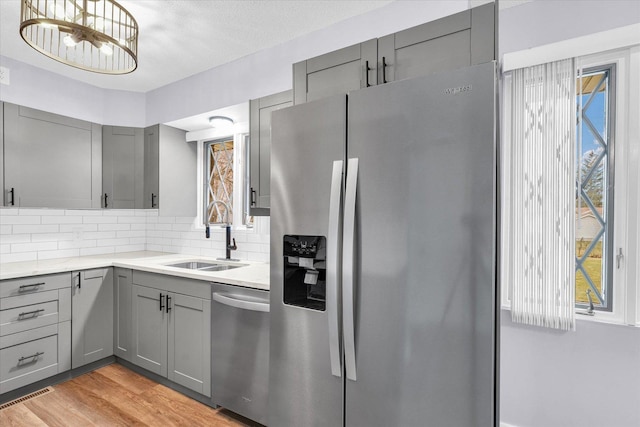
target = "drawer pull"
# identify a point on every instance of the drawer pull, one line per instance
(33, 313)
(25, 288)
(33, 356)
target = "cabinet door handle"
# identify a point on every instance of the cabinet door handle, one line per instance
(106, 203)
(253, 197)
(25, 288)
(33, 313)
(79, 285)
(366, 73)
(33, 356)
(384, 70)
(168, 303)
(153, 203)
(161, 305)
(13, 196)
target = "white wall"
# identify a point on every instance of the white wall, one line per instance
(587, 378)
(44, 90)
(591, 376)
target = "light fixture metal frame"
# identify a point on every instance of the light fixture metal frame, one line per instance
(44, 24)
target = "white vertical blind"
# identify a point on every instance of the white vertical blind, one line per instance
(539, 198)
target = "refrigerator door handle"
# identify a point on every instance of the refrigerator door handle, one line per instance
(333, 268)
(348, 269)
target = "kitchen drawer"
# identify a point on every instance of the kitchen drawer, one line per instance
(29, 299)
(28, 362)
(28, 317)
(34, 284)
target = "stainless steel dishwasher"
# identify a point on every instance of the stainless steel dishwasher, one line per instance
(240, 350)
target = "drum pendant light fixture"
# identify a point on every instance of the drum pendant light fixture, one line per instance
(94, 35)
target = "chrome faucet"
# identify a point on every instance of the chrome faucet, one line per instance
(228, 246)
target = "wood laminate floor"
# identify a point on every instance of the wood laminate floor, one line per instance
(115, 396)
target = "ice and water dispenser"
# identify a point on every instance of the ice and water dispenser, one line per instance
(305, 273)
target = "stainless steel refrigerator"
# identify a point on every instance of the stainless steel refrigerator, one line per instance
(383, 236)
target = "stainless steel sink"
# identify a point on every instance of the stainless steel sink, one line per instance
(204, 266)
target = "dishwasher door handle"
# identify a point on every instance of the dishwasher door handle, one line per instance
(237, 302)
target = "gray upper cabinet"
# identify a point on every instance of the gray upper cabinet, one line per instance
(260, 148)
(350, 68)
(50, 160)
(91, 316)
(463, 39)
(122, 167)
(151, 167)
(177, 172)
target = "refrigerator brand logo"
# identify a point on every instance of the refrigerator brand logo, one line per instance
(457, 90)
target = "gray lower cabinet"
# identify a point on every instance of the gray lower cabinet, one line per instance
(122, 167)
(171, 330)
(91, 316)
(122, 304)
(260, 148)
(50, 160)
(149, 320)
(346, 69)
(189, 340)
(35, 329)
(459, 40)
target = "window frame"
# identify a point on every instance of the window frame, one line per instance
(609, 229)
(240, 146)
(626, 206)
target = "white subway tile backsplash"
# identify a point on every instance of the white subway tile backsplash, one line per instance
(33, 247)
(100, 235)
(40, 212)
(112, 242)
(97, 251)
(83, 212)
(29, 229)
(58, 254)
(100, 219)
(17, 257)
(16, 238)
(74, 228)
(114, 227)
(76, 244)
(131, 233)
(117, 212)
(132, 219)
(30, 234)
(130, 248)
(19, 219)
(63, 219)
(51, 237)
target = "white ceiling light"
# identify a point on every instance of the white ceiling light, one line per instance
(221, 122)
(94, 35)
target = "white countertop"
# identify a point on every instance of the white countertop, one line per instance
(251, 274)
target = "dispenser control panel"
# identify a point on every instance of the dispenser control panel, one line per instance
(305, 271)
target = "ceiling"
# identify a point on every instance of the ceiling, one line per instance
(179, 38)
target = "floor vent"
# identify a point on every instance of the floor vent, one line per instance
(27, 397)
